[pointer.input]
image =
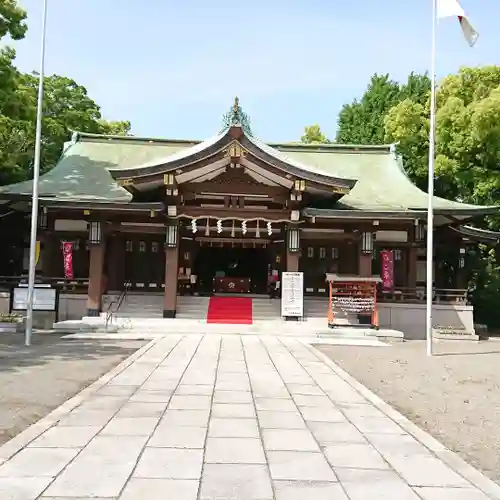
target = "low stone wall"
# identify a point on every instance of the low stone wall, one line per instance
(4, 302)
(410, 318)
(72, 306)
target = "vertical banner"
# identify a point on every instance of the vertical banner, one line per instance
(67, 250)
(387, 263)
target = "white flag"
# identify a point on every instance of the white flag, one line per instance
(451, 8)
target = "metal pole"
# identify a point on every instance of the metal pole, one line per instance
(430, 189)
(36, 176)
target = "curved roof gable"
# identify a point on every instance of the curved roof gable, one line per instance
(217, 144)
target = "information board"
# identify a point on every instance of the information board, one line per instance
(44, 299)
(292, 294)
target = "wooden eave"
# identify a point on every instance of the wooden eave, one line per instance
(475, 234)
(138, 208)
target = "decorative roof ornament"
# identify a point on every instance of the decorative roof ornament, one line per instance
(236, 116)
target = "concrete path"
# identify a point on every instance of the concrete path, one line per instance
(231, 418)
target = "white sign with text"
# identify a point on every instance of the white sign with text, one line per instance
(292, 294)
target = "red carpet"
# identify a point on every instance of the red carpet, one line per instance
(230, 310)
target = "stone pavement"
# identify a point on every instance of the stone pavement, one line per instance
(219, 417)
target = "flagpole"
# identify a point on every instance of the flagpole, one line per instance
(36, 176)
(430, 189)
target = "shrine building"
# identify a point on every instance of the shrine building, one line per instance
(169, 218)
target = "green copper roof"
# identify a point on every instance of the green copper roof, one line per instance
(382, 182)
(84, 171)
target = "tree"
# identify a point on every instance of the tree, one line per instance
(467, 160)
(16, 146)
(362, 121)
(114, 128)
(66, 107)
(313, 135)
(10, 104)
(467, 135)
(12, 20)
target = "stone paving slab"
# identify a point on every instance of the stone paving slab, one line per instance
(226, 417)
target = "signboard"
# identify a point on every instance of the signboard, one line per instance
(44, 298)
(292, 294)
(387, 262)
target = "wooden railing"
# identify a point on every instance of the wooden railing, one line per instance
(419, 295)
(117, 303)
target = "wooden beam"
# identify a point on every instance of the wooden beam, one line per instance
(233, 213)
(215, 187)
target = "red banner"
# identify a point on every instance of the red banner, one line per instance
(387, 262)
(67, 250)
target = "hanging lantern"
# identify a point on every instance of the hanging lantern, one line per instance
(95, 232)
(293, 240)
(269, 228)
(172, 236)
(419, 232)
(461, 262)
(42, 219)
(194, 227)
(244, 227)
(207, 228)
(367, 242)
(219, 226)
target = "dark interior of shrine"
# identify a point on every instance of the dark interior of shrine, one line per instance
(229, 262)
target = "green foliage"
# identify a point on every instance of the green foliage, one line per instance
(10, 318)
(16, 149)
(66, 107)
(114, 128)
(467, 135)
(467, 159)
(362, 121)
(467, 151)
(313, 135)
(12, 20)
(485, 285)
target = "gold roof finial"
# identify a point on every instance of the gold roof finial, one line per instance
(236, 104)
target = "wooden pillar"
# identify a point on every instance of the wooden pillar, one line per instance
(51, 250)
(171, 273)
(49, 253)
(412, 268)
(365, 265)
(292, 262)
(115, 257)
(96, 279)
(365, 257)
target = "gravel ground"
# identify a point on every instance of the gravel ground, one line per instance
(455, 395)
(35, 380)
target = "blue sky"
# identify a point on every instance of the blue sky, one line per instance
(173, 68)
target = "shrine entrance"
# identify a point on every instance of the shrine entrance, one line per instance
(232, 268)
